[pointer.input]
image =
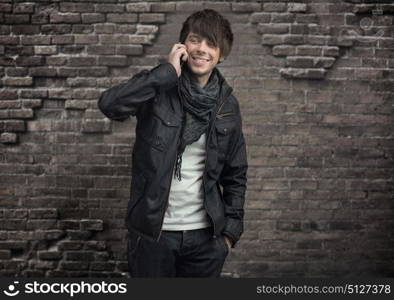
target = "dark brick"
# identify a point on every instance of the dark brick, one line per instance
(73, 265)
(76, 7)
(96, 245)
(8, 138)
(163, 7)
(82, 61)
(273, 28)
(282, 18)
(50, 255)
(307, 18)
(273, 39)
(93, 225)
(293, 39)
(102, 266)
(104, 28)
(297, 7)
(138, 7)
(9, 40)
(309, 50)
(82, 28)
(25, 29)
(309, 244)
(16, 19)
(56, 28)
(30, 61)
(62, 40)
(103, 50)
(119, 61)
(41, 224)
(129, 50)
(5, 7)
(35, 40)
(245, 7)
(12, 126)
(70, 245)
(7, 61)
(13, 224)
(78, 234)
(274, 7)
(43, 72)
(260, 18)
(33, 93)
(93, 18)
(20, 114)
(64, 18)
(152, 18)
(79, 255)
(85, 39)
(122, 18)
(92, 71)
(40, 18)
(106, 8)
(32, 103)
(43, 213)
(5, 254)
(13, 245)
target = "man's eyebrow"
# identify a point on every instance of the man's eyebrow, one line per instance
(195, 35)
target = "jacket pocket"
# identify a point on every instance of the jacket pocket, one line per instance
(223, 135)
(160, 130)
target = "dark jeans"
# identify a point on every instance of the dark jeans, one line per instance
(189, 253)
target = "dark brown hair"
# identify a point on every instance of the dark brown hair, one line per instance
(211, 25)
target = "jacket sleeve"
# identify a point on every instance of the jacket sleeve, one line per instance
(123, 100)
(233, 180)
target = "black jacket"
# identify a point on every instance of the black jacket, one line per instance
(152, 96)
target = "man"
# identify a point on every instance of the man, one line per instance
(189, 159)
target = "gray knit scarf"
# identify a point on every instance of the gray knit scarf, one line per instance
(198, 104)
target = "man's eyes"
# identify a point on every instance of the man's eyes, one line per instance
(196, 41)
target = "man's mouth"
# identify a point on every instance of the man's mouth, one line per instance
(200, 58)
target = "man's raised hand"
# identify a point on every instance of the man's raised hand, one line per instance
(178, 53)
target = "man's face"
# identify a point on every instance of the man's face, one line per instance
(203, 56)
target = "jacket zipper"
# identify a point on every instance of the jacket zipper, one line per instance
(168, 196)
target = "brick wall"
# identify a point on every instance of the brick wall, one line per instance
(315, 81)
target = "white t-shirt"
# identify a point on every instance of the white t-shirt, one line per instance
(185, 209)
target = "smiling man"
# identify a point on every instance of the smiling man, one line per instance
(189, 158)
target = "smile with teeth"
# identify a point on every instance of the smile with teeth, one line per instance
(200, 59)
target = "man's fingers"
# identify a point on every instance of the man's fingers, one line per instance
(181, 53)
(178, 46)
(184, 56)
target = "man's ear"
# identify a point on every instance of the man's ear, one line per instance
(221, 59)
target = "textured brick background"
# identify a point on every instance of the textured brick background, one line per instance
(315, 81)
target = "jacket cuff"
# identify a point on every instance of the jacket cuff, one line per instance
(165, 76)
(233, 230)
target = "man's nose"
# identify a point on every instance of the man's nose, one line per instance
(202, 46)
